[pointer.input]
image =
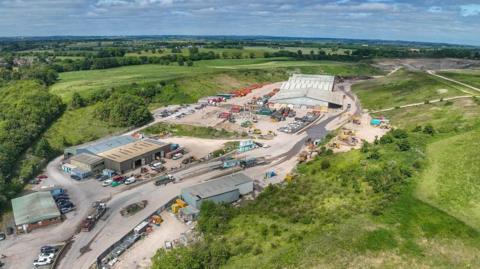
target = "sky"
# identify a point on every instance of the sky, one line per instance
(453, 21)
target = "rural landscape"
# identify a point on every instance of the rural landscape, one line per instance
(230, 150)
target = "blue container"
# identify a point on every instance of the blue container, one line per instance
(375, 122)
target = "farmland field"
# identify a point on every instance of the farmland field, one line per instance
(85, 82)
(403, 87)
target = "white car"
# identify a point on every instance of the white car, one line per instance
(44, 256)
(168, 245)
(40, 262)
(130, 180)
(177, 156)
(107, 182)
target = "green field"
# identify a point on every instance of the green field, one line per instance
(402, 88)
(470, 77)
(85, 82)
(76, 127)
(452, 180)
(444, 116)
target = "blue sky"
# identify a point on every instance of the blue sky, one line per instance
(454, 21)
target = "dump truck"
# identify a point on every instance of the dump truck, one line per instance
(91, 220)
(250, 162)
(164, 180)
(133, 208)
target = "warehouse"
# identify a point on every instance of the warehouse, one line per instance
(312, 91)
(99, 146)
(88, 162)
(35, 210)
(134, 155)
(226, 189)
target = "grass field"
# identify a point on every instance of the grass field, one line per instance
(403, 87)
(85, 82)
(470, 77)
(444, 116)
(452, 179)
(76, 127)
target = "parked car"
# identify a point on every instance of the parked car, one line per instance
(42, 177)
(66, 204)
(61, 197)
(44, 249)
(107, 182)
(177, 156)
(2, 236)
(34, 181)
(103, 177)
(65, 210)
(41, 262)
(168, 245)
(130, 180)
(75, 177)
(42, 256)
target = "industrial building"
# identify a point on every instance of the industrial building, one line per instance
(134, 155)
(226, 189)
(35, 210)
(99, 146)
(88, 162)
(312, 91)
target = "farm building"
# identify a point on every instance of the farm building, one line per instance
(35, 210)
(99, 146)
(88, 162)
(226, 189)
(133, 155)
(312, 91)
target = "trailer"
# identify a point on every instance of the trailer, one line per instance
(91, 220)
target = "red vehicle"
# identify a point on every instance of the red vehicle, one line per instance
(118, 178)
(42, 177)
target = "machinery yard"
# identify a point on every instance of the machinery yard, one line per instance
(272, 135)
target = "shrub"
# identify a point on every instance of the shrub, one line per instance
(428, 129)
(403, 145)
(325, 164)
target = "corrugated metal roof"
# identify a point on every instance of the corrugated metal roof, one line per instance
(34, 207)
(103, 145)
(86, 158)
(310, 89)
(217, 186)
(132, 150)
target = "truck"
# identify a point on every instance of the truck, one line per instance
(251, 162)
(91, 220)
(164, 180)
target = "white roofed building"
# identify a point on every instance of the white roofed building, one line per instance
(310, 91)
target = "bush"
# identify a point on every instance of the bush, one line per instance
(428, 129)
(325, 164)
(403, 145)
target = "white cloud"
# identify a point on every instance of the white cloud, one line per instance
(435, 9)
(470, 10)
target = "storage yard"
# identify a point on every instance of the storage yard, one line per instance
(172, 174)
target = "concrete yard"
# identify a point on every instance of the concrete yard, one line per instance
(139, 256)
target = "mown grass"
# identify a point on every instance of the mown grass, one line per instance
(470, 77)
(163, 129)
(402, 88)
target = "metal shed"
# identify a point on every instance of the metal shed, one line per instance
(226, 189)
(35, 210)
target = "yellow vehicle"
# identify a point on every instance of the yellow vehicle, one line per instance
(257, 131)
(157, 220)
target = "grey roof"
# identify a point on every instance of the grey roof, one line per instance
(132, 150)
(217, 186)
(308, 90)
(34, 207)
(86, 158)
(103, 145)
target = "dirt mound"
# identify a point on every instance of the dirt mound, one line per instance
(426, 64)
